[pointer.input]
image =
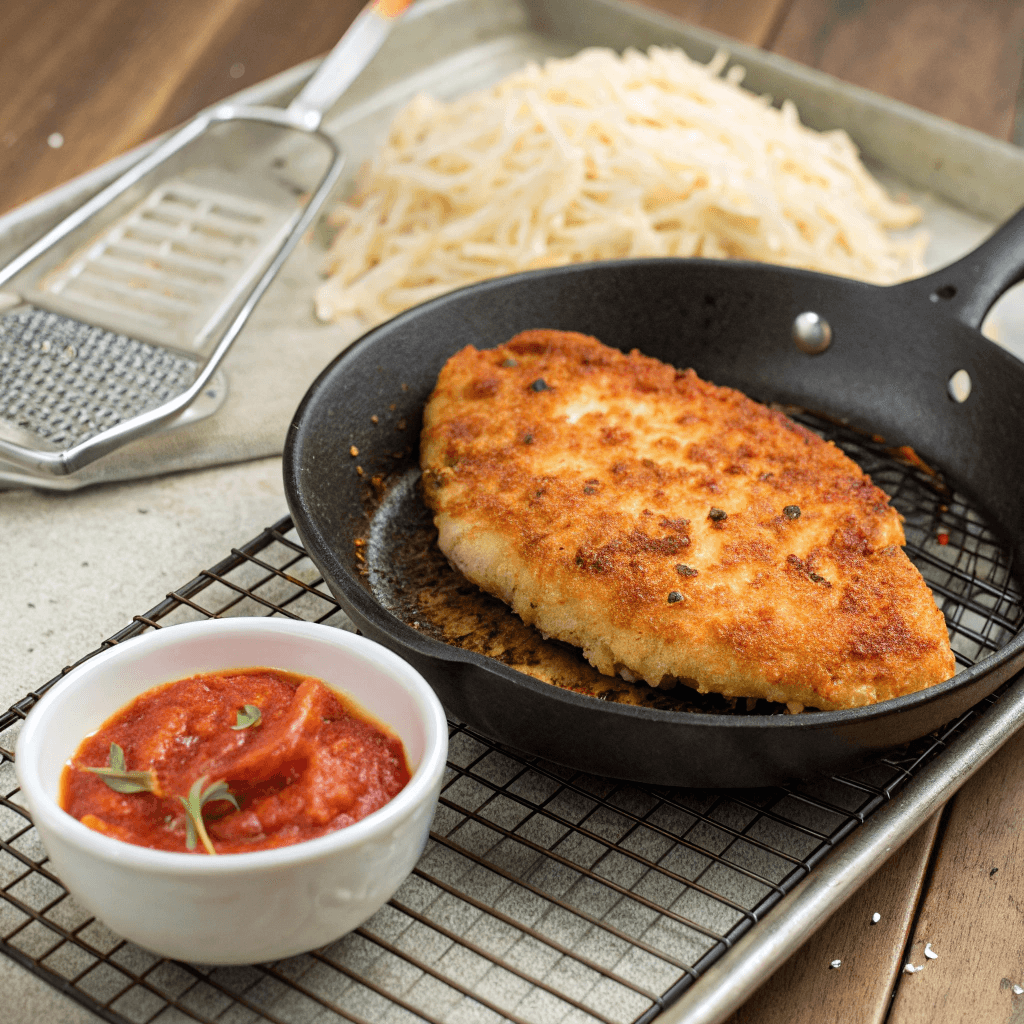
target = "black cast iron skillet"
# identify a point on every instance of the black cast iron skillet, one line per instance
(886, 371)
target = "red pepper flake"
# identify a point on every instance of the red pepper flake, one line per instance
(943, 539)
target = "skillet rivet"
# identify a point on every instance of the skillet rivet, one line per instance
(812, 333)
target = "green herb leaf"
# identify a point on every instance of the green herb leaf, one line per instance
(197, 797)
(190, 828)
(119, 779)
(250, 715)
(219, 791)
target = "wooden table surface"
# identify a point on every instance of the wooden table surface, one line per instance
(90, 80)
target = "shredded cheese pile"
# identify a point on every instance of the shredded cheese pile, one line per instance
(601, 156)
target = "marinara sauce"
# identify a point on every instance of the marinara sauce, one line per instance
(313, 763)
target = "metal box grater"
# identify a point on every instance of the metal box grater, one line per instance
(152, 287)
(123, 324)
(186, 242)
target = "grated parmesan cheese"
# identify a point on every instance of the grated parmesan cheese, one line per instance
(601, 156)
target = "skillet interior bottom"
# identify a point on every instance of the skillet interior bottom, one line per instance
(413, 580)
(948, 542)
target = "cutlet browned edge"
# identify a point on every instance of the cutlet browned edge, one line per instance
(879, 583)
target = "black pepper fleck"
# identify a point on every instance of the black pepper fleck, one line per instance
(791, 511)
(528, 439)
(674, 596)
(540, 385)
(718, 515)
(685, 570)
(509, 363)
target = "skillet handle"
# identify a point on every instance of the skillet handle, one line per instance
(969, 288)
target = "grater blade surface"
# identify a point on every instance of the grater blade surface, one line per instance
(169, 269)
(63, 381)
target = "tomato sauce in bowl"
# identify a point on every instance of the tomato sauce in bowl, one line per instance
(279, 759)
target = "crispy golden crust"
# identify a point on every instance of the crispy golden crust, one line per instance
(585, 487)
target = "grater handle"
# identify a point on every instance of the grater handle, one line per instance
(356, 48)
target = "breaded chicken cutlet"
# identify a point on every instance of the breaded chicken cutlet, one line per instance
(672, 529)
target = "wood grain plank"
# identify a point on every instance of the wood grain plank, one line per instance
(806, 990)
(973, 911)
(755, 22)
(99, 85)
(259, 39)
(112, 73)
(961, 60)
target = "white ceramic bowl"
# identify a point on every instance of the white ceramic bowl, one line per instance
(243, 907)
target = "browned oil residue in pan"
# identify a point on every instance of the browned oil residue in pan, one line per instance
(413, 580)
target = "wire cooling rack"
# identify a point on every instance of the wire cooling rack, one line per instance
(544, 896)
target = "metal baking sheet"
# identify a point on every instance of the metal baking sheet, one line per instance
(966, 181)
(545, 895)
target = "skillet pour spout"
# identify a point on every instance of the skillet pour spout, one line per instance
(885, 373)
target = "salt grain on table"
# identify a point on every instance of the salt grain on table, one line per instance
(930, 953)
(834, 964)
(910, 968)
(875, 918)
(1018, 991)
